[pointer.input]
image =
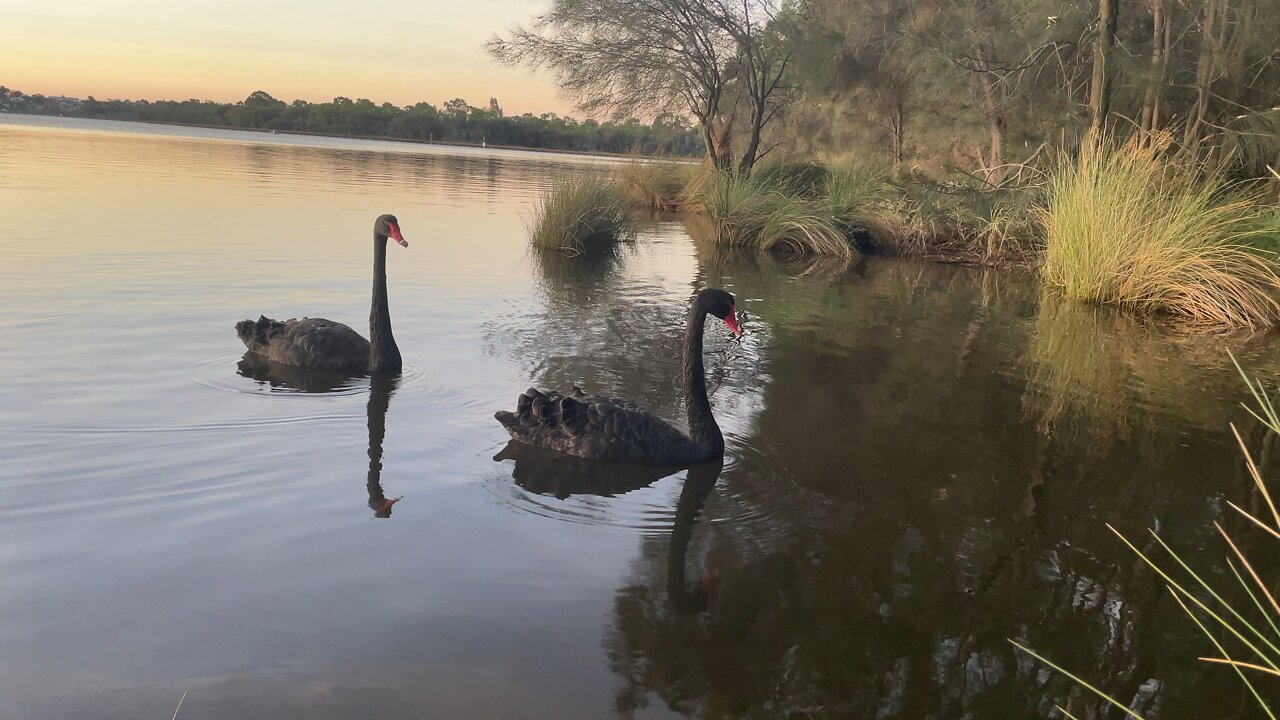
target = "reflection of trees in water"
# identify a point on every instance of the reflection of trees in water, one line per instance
(917, 518)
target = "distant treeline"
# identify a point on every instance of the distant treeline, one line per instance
(454, 121)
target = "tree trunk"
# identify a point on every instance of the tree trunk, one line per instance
(995, 117)
(713, 148)
(1150, 122)
(1100, 88)
(758, 108)
(1166, 41)
(899, 131)
(1204, 77)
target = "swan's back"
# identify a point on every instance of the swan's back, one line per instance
(309, 342)
(597, 427)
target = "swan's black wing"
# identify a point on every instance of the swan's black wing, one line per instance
(309, 343)
(596, 427)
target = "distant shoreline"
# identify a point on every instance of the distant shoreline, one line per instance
(346, 136)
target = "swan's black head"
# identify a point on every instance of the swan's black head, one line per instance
(389, 226)
(720, 303)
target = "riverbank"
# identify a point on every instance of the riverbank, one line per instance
(347, 136)
(1127, 225)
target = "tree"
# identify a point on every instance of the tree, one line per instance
(761, 63)
(632, 57)
(1100, 87)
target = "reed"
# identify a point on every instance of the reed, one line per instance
(746, 211)
(580, 215)
(655, 185)
(1122, 226)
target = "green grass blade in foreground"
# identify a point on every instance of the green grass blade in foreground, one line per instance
(1256, 602)
(1077, 679)
(1268, 410)
(1223, 652)
(1174, 583)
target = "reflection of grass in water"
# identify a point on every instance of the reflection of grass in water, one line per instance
(1245, 634)
(1093, 367)
(1072, 370)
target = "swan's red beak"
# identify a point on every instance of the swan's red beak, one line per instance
(732, 321)
(395, 234)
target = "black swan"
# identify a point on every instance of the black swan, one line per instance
(605, 428)
(328, 345)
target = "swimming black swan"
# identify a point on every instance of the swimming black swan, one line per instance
(604, 428)
(328, 345)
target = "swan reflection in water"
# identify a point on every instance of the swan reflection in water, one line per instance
(308, 380)
(561, 476)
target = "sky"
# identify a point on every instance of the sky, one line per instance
(401, 51)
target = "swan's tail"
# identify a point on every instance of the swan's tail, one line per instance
(256, 334)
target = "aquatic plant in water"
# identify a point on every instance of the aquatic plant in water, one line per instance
(1124, 226)
(655, 185)
(581, 214)
(743, 210)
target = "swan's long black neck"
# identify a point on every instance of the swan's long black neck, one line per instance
(384, 355)
(703, 429)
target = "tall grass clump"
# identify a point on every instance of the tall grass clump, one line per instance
(580, 214)
(749, 211)
(801, 178)
(655, 185)
(1243, 624)
(1124, 226)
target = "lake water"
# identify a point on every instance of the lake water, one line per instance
(921, 461)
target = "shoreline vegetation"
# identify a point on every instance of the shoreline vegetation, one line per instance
(1124, 224)
(453, 122)
(1129, 153)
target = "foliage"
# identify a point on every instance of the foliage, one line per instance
(982, 86)
(697, 57)
(802, 178)
(580, 215)
(655, 185)
(1245, 635)
(744, 210)
(453, 121)
(1122, 226)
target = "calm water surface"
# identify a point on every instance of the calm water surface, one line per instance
(921, 460)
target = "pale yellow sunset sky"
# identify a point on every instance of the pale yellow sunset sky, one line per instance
(401, 51)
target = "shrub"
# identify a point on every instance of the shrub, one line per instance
(799, 178)
(1123, 226)
(746, 211)
(580, 214)
(655, 185)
